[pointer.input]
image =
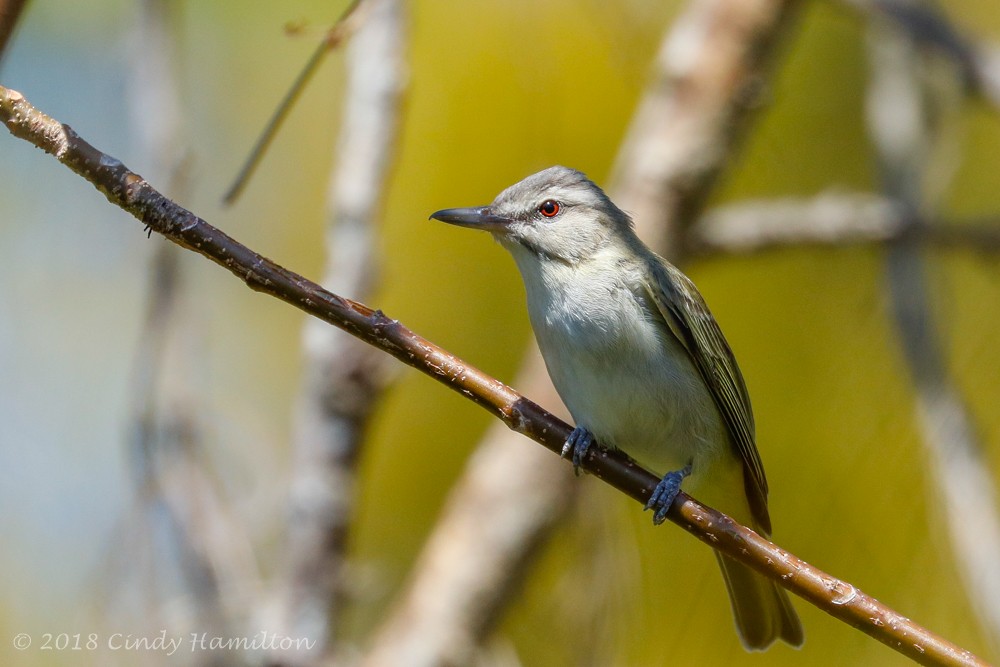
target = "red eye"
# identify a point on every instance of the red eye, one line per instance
(549, 208)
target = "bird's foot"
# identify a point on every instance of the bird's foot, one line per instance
(577, 445)
(665, 492)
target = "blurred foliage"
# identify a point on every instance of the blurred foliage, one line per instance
(498, 90)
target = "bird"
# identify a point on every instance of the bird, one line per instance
(641, 364)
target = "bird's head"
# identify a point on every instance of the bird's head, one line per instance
(557, 214)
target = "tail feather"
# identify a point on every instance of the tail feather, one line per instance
(762, 610)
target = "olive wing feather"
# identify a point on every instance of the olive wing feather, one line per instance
(684, 311)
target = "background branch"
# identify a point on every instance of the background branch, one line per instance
(926, 25)
(130, 192)
(834, 219)
(174, 495)
(908, 108)
(343, 378)
(710, 74)
(344, 26)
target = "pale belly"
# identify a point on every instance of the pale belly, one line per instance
(625, 378)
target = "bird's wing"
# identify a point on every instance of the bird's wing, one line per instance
(686, 314)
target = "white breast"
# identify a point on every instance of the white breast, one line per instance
(616, 365)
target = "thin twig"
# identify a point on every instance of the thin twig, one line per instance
(347, 23)
(130, 192)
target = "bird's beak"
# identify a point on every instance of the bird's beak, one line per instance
(477, 218)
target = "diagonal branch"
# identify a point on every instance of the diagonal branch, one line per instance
(130, 192)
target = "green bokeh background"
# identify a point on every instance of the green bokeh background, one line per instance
(497, 91)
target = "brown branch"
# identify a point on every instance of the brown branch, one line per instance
(343, 378)
(130, 192)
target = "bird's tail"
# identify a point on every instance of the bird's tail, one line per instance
(761, 608)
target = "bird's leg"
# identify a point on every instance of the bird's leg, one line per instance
(577, 445)
(665, 492)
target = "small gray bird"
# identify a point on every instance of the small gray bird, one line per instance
(641, 364)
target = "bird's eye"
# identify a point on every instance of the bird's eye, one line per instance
(549, 208)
